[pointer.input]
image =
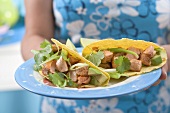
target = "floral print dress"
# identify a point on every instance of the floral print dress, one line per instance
(136, 19)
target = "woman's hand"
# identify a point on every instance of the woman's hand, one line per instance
(166, 67)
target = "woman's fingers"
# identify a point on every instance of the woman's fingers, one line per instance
(157, 82)
(164, 72)
(163, 75)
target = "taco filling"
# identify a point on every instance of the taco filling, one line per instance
(61, 68)
(120, 61)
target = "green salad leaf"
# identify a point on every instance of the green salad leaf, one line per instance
(44, 55)
(61, 80)
(52, 57)
(122, 63)
(41, 56)
(96, 58)
(58, 79)
(97, 78)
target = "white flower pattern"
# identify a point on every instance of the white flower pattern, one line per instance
(163, 8)
(47, 108)
(66, 102)
(81, 10)
(100, 106)
(77, 28)
(58, 16)
(124, 6)
(103, 21)
(95, 1)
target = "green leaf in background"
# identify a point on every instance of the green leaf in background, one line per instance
(9, 13)
(123, 64)
(96, 58)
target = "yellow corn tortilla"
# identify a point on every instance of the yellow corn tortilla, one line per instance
(126, 43)
(83, 60)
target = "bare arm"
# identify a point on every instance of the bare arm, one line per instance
(39, 24)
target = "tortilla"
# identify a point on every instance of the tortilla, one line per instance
(126, 43)
(83, 60)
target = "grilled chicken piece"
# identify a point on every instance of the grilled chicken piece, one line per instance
(115, 57)
(146, 60)
(113, 64)
(73, 60)
(73, 75)
(48, 64)
(136, 65)
(130, 56)
(45, 71)
(147, 55)
(150, 52)
(107, 56)
(82, 71)
(53, 66)
(106, 65)
(136, 50)
(46, 68)
(61, 65)
(55, 49)
(83, 80)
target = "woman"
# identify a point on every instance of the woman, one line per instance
(136, 19)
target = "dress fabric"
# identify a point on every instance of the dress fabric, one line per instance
(135, 19)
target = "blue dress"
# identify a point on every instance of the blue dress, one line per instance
(136, 19)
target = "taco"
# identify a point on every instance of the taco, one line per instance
(62, 66)
(125, 57)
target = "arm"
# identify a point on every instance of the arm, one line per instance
(39, 24)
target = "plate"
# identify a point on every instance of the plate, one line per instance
(27, 78)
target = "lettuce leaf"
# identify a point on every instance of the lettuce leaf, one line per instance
(58, 79)
(96, 58)
(61, 80)
(123, 64)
